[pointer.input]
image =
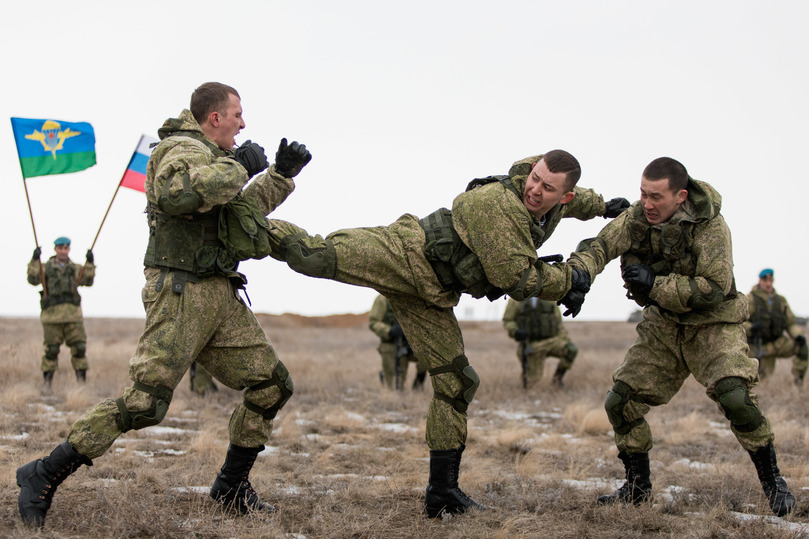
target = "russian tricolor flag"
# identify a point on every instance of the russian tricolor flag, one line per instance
(135, 175)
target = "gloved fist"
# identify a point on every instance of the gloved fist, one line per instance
(290, 159)
(521, 335)
(252, 157)
(395, 331)
(800, 340)
(574, 298)
(90, 257)
(639, 278)
(615, 207)
(37, 253)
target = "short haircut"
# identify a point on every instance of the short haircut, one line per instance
(562, 161)
(666, 167)
(210, 97)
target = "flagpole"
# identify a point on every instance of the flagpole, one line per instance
(81, 273)
(36, 241)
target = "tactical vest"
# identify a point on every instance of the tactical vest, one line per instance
(671, 251)
(456, 266)
(772, 318)
(204, 244)
(539, 321)
(62, 285)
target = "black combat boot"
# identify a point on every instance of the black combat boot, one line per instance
(557, 377)
(81, 375)
(638, 486)
(418, 382)
(443, 493)
(39, 478)
(232, 488)
(47, 378)
(781, 499)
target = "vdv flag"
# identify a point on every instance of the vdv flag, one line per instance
(53, 147)
(135, 175)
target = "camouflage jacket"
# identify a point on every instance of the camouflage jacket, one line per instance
(497, 227)
(62, 286)
(543, 319)
(773, 311)
(381, 318)
(693, 254)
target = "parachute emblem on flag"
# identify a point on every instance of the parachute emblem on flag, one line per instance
(52, 137)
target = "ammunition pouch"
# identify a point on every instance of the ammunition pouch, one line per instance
(51, 300)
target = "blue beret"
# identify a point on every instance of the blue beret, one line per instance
(61, 240)
(765, 272)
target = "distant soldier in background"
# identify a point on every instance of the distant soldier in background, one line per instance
(61, 316)
(537, 326)
(393, 347)
(772, 331)
(201, 380)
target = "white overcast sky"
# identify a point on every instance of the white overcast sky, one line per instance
(401, 104)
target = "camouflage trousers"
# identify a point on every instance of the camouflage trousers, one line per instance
(665, 354)
(70, 333)
(387, 351)
(209, 324)
(558, 346)
(782, 347)
(381, 259)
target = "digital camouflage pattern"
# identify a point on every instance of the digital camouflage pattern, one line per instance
(675, 339)
(492, 222)
(557, 345)
(764, 308)
(380, 319)
(208, 322)
(62, 323)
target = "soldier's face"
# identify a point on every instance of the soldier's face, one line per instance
(227, 123)
(659, 201)
(765, 283)
(62, 252)
(545, 189)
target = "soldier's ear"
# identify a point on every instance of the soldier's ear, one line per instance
(570, 195)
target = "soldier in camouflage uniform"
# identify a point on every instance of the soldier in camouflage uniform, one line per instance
(537, 326)
(393, 347)
(201, 380)
(196, 182)
(486, 246)
(676, 262)
(61, 316)
(772, 331)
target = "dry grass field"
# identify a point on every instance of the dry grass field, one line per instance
(348, 459)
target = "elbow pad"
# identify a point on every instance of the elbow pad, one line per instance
(700, 300)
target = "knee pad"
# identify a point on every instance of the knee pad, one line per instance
(81, 349)
(52, 351)
(734, 399)
(469, 378)
(314, 261)
(280, 379)
(571, 351)
(161, 398)
(614, 404)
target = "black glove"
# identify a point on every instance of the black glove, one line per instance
(800, 340)
(574, 298)
(639, 278)
(252, 157)
(289, 160)
(614, 207)
(90, 257)
(521, 335)
(395, 331)
(37, 253)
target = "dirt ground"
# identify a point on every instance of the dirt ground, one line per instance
(348, 458)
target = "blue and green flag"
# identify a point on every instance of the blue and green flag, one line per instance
(53, 147)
